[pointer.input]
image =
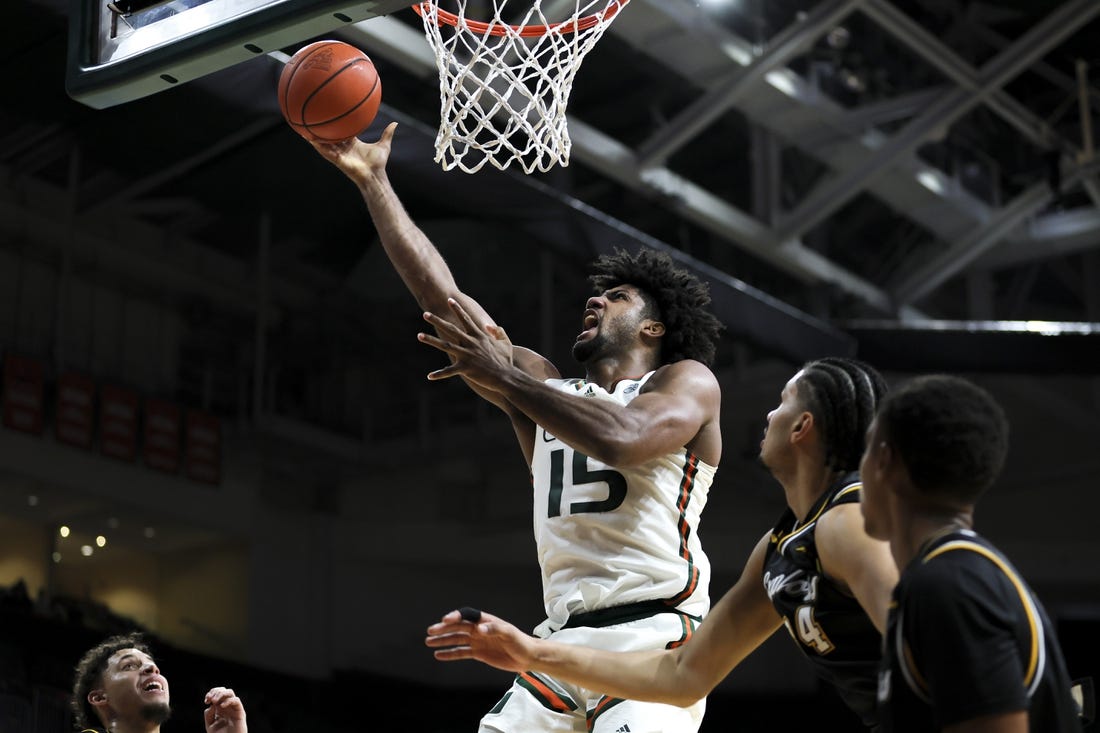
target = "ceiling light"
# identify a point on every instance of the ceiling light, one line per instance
(63, 531)
(931, 181)
(86, 550)
(149, 533)
(100, 541)
(32, 500)
(56, 557)
(781, 81)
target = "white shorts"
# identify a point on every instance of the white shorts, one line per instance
(538, 702)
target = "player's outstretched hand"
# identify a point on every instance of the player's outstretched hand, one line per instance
(224, 712)
(358, 159)
(481, 354)
(472, 634)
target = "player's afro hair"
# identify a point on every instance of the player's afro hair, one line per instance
(90, 669)
(681, 300)
(951, 435)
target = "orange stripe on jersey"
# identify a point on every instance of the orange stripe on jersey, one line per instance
(689, 631)
(545, 695)
(691, 469)
(602, 707)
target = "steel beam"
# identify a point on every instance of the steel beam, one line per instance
(1042, 37)
(791, 42)
(958, 256)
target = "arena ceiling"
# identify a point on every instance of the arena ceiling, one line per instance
(890, 178)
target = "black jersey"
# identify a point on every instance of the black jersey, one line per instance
(967, 638)
(829, 625)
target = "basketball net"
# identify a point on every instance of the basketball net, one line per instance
(505, 87)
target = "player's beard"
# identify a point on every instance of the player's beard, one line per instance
(583, 351)
(612, 337)
(156, 712)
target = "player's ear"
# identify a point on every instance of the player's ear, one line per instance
(97, 697)
(802, 426)
(653, 329)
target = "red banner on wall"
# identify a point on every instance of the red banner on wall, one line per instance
(162, 435)
(118, 412)
(75, 409)
(203, 452)
(23, 393)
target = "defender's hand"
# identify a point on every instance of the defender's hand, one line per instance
(490, 639)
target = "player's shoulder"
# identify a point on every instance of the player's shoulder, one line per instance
(685, 371)
(950, 571)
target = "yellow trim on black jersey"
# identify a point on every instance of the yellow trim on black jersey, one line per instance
(799, 528)
(1037, 650)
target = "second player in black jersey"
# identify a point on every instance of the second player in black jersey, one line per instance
(968, 645)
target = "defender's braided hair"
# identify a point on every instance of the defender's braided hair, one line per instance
(842, 394)
(681, 300)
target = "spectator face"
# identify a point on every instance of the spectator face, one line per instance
(132, 689)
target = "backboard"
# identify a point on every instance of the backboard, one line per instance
(127, 49)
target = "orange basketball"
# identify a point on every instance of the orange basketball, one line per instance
(329, 91)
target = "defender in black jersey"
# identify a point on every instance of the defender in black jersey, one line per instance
(816, 571)
(118, 685)
(968, 645)
(829, 624)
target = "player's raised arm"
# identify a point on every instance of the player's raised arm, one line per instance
(417, 261)
(414, 257)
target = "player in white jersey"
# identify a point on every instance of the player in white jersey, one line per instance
(621, 460)
(642, 523)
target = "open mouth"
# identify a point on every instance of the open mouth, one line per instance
(153, 686)
(590, 323)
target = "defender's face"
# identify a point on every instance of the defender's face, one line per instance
(774, 444)
(611, 322)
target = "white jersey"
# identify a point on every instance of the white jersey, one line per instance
(611, 536)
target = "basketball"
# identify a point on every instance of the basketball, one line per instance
(329, 91)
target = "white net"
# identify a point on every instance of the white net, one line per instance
(505, 86)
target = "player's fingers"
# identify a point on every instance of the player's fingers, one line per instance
(471, 327)
(456, 619)
(387, 134)
(453, 654)
(441, 344)
(451, 637)
(444, 326)
(496, 332)
(445, 373)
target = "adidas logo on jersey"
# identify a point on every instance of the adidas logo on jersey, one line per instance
(624, 729)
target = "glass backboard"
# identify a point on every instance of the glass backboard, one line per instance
(123, 50)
